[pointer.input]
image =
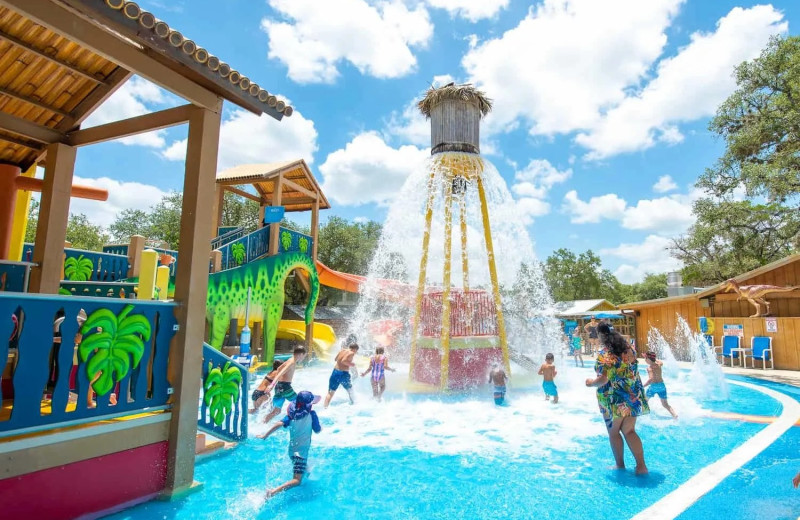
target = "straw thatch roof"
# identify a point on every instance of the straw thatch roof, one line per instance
(465, 92)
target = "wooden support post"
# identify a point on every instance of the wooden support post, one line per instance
(314, 229)
(216, 261)
(191, 285)
(135, 248)
(48, 251)
(261, 212)
(275, 229)
(219, 206)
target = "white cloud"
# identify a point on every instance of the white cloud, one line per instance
(687, 86)
(368, 170)
(246, 138)
(134, 98)
(650, 256)
(472, 10)
(121, 196)
(608, 206)
(442, 79)
(532, 185)
(411, 126)
(664, 184)
(567, 60)
(375, 37)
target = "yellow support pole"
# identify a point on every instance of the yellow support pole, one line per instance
(423, 265)
(448, 246)
(487, 233)
(162, 282)
(464, 252)
(147, 275)
(20, 223)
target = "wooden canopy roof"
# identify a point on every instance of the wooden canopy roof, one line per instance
(299, 188)
(60, 59)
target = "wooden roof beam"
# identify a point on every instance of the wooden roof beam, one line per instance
(299, 188)
(28, 129)
(242, 193)
(126, 54)
(42, 54)
(31, 101)
(95, 98)
(132, 126)
(21, 142)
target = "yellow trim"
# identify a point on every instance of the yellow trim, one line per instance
(464, 252)
(487, 233)
(448, 250)
(20, 223)
(423, 264)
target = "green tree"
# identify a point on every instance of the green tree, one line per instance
(238, 211)
(653, 286)
(348, 246)
(760, 124)
(33, 221)
(165, 219)
(130, 222)
(82, 234)
(580, 277)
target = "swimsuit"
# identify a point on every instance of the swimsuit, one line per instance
(378, 363)
(623, 395)
(258, 394)
(550, 388)
(300, 439)
(575, 346)
(499, 393)
(659, 389)
(283, 392)
(339, 377)
(593, 332)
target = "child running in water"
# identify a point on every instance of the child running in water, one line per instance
(282, 382)
(655, 382)
(377, 364)
(575, 346)
(341, 373)
(548, 370)
(498, 378)
(260, 394)
(301, 420)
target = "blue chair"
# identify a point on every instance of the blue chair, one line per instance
(709, 339)
(729, 349)
(761, 349)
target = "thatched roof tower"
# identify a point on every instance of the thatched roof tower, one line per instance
(455, 112)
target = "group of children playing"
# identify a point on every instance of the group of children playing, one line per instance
(301, 420)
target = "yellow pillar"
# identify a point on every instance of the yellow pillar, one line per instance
(423, 265)
(147, 274)
(20, 223)
(445, 335)
(487, 233)
(162, 282)
(464, 252)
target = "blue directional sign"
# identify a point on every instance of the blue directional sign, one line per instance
(273, 214)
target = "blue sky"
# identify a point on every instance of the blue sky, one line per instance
(599, 126)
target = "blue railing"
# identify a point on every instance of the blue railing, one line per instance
(228, 236)
(14, 276)
(246, 249)
(84, 266)
(223, 397)
(48, 344)
(116, 249)
(100, 289)
(293, 241)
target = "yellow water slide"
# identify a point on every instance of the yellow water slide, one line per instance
(323, 340)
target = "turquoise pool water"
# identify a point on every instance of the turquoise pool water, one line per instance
(424, 457)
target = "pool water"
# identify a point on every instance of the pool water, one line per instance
(431, 457)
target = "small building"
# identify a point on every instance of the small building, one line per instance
(727, 313)
(577, 313)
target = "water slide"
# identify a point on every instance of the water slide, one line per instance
(353, 282)
(323, 340)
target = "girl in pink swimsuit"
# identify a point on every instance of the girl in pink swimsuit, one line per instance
(377, 365)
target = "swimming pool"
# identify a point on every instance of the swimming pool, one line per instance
(424, 457)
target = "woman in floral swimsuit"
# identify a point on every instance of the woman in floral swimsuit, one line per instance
(620, 395)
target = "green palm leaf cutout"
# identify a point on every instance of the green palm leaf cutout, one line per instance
(303, 242)
(286, 240)
(221, 391)
(115, 344)
(237, 251)
(78, 269)
(64, 292)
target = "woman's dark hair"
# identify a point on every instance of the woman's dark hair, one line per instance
(612, 339)
(276, 364)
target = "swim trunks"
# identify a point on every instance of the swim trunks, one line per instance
(283, 392)
(258, 394)
(550, 388)
(659, 389)
(298, 465)
(339, 377)
(499, 394)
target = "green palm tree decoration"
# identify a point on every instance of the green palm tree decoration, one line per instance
(237, 251)
(221, 391)
(286, 240)
(303, 243)
(115, 340)
(78, 269)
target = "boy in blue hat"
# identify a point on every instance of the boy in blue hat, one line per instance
(301, 420)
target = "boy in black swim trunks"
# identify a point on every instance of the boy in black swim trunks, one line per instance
(260, 394)
(341, 373)
(283, 382)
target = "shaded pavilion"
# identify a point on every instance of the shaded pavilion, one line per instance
(59, 61)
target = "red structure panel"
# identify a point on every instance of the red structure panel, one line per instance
(469, 367)
(87, 487)
(472, 313)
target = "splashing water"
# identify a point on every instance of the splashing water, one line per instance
(657, 343)
(526, 303)
(706, 377)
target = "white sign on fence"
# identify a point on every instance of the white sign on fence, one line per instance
(733, 330)
(771, 324)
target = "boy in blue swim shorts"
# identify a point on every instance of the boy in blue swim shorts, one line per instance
(548, 370)
(341, 373)
(498, 378)
(655, 382)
